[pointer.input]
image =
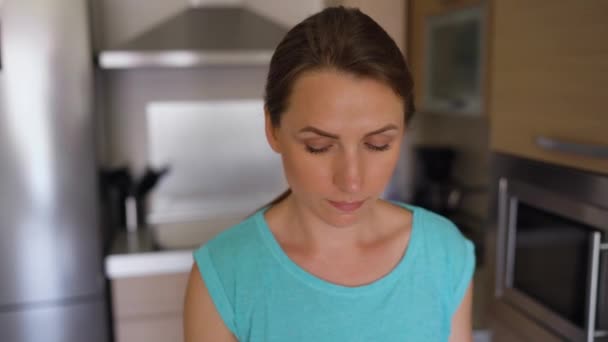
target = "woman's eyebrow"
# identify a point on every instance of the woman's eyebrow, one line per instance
(334, 136)
(383, 129)
(319, 132)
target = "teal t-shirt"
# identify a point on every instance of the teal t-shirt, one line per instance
(263, 296)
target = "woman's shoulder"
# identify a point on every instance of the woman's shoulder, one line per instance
(449, 254)
(437, 233)
(236, 242)
(433, 225)
(446, 247)
(438, 226)
(227, 260)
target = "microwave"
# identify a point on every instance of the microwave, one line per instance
(552, 247)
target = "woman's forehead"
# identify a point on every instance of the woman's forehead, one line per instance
(335, 99)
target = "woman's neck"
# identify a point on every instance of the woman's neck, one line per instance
(297, 225)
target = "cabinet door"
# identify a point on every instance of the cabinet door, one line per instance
(143, 296)
(419, 12)
(162, 328)
(549, 79)
(149, 308)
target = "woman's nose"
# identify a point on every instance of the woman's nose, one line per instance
(348, 174)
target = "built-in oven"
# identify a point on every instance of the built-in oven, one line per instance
(552, 247)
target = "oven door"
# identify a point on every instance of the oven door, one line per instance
(553, 259)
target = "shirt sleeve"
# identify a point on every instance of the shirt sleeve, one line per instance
(463, 269)
(216, 288)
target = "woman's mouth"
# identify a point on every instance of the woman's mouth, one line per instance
(346, 206)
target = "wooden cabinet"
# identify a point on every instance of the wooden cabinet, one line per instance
(549, 79)
(149, 308)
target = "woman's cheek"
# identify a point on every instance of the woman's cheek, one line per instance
(380, 170)
(305, 171)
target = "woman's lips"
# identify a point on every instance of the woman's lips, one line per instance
(347, 206)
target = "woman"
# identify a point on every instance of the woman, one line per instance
(329, 260)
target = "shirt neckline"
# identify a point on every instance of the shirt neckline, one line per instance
(326, 286)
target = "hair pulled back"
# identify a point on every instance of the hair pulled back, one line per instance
(342, 39)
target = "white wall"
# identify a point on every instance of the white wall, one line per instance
(285, 12)
(122, 96)
(216, 2)
(127, 94)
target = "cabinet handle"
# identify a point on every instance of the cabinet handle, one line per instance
(586, 150)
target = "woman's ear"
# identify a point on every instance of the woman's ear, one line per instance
(271, 132)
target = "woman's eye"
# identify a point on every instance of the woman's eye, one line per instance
(377, 147)
(313, 150)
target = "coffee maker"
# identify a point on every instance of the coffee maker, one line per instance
(435, 189)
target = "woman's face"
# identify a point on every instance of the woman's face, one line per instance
(339, 140)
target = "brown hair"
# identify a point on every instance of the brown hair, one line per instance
(344, 39)
(339, 38)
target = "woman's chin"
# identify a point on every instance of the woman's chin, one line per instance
(344, 214)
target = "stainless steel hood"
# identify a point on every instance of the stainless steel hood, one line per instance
(200, 36)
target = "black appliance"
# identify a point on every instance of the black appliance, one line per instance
(434, 186)
(549, 241)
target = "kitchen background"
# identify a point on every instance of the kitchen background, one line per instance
(516, 69)
(126, 93)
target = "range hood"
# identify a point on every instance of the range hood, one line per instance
(200, 36)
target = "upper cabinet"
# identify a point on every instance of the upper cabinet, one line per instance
(549, 81)
(447, 43)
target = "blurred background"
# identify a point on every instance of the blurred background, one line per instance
(114, 162)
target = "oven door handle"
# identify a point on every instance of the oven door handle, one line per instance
(512, 205)
(502, 236)
(594, 260)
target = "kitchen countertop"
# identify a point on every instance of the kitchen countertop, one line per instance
(164, 247)
(135, 255)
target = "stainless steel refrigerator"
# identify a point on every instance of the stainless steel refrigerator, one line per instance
(51, 275)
